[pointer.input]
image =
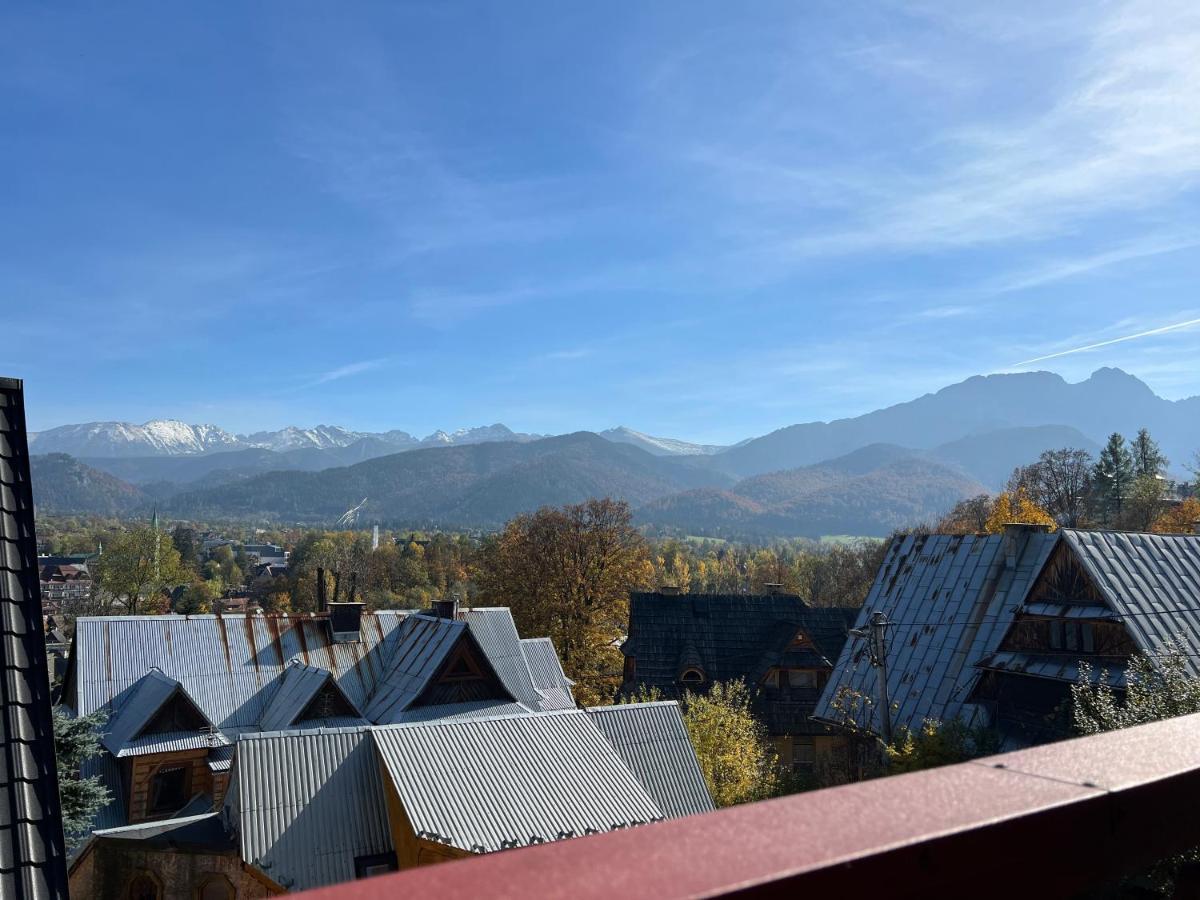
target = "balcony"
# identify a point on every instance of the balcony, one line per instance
(1048, 821)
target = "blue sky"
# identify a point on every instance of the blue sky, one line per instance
(696, 219)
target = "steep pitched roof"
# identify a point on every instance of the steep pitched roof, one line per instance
(950, 599)
(653, 741)
(548, 676)
(32, 851)
(306, 803)
(496, 632)
(727, 636)
(229, 665)
(1152, 581)
(423, 643)
(136, 708)
(298, 686)
(489, 784)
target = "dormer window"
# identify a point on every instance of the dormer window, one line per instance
(692, 676)
(800, 641)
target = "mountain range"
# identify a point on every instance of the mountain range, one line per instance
(862, 475)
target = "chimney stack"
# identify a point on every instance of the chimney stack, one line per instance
(773, 589)
(445, 609)
(1013, 543)
(345, 621)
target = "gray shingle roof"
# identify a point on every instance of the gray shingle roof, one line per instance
(306, 803)
(32, 851)
(488, 784)
(951, 599)
(653, 741)
(229, 665)
(729, 636)
(297, 688)
(1152, 581)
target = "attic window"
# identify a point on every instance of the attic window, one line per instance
(692, 676)
(177, 714)
(327, 704)
(169, 789)
(375, 864)
(799, 641)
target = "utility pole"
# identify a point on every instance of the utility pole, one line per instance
(877, 649)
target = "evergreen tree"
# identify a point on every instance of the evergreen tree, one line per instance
(1147, 458)
(1113, 477)
(77, 740)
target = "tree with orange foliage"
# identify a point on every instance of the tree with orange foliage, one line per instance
(1179, 518)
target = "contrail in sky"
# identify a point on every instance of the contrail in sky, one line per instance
(1128, 337)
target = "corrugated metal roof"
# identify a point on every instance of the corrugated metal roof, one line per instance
(548, 676)
(653, 741)
(171, 742)
(496, 633)
(307, 803)
(1152, 581)
(137, 706)
(32, 849)
(449, 712)
(229, 665)
(423, 643)
(489, 784)
(299, 684)
(950, 598)
(221, 758)
(108, 770)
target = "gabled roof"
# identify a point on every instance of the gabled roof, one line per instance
(548, 676)
(726, 636)
(496, 633)
(489, 784)
(228, 664)
(298, 686)
(653, 741)
(423, 643)
(138, 706)
(32, 849)
(306, 803)
(1152, 581)
(950, 599)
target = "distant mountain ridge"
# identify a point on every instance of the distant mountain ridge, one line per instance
(170, 437)
(866, 475)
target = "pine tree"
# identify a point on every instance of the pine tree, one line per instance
(1113, 477)
(76, 740)
(1147, 458)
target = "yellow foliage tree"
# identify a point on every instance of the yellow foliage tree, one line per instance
(735, 754)
(1016, 507)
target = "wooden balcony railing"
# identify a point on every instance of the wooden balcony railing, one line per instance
(1045, 822)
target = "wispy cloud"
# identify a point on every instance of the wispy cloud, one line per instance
(1062, 269)
(349, 370)
(1177, 326)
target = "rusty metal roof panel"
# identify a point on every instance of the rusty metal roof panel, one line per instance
(653, 741)
(489, 784)
(1152, 581)
(950, 599)
(307, 803)
(32, 848)
(230, 664)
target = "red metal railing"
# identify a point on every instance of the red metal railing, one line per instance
(1048, 821)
